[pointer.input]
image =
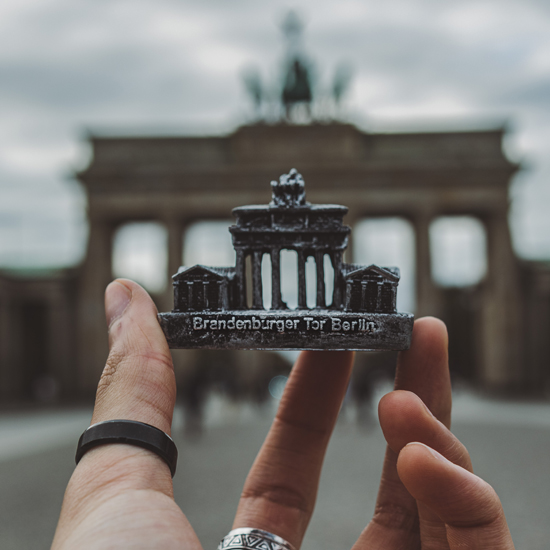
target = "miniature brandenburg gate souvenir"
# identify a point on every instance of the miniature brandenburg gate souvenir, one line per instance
(211, 304)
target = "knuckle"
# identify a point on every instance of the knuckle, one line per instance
(396, 516)
(320, 431)
(281, 495)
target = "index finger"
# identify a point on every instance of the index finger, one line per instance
(281, 488)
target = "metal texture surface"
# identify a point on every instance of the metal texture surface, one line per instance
(288, 330)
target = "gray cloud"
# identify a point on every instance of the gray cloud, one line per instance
(137, 64)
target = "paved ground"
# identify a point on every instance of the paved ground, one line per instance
(509, 444)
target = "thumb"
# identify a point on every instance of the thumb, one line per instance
(469, 507)
(138, 381)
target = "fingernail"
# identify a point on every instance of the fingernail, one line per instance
(435, 454)
(427, 408)
(117, 298)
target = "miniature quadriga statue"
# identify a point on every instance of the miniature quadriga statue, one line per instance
(211, 304)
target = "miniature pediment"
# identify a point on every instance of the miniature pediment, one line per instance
(390, 274)
(199, 270)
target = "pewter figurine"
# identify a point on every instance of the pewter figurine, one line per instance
(211, 303)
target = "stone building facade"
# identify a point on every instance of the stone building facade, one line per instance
(418, 176)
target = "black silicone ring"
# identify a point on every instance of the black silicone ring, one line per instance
(129, 432)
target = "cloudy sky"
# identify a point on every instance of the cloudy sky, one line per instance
(167, 66)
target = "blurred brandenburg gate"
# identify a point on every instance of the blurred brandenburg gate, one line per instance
(417, 176)
(499, 330)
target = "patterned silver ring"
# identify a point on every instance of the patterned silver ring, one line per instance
(247, 538)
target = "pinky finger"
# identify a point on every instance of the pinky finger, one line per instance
(469, 507)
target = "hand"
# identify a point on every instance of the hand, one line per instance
(121, 496)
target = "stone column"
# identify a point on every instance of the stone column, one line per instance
(257, 289)
(501, 313)
(96, 273)
(276, 299)
(175, 228)
(61, 338)
(6, 340)
(427, 295)
(302, 300)
(537, 329)
(240, 276)
(319, 263)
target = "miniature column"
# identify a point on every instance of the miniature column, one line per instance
(302, 302)
(205, 285)
(319, 263)
(336, 258)
(190, 301)
(276, 299)
(347, 300)
(257, 290)
(379, 286)
(240, 276)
